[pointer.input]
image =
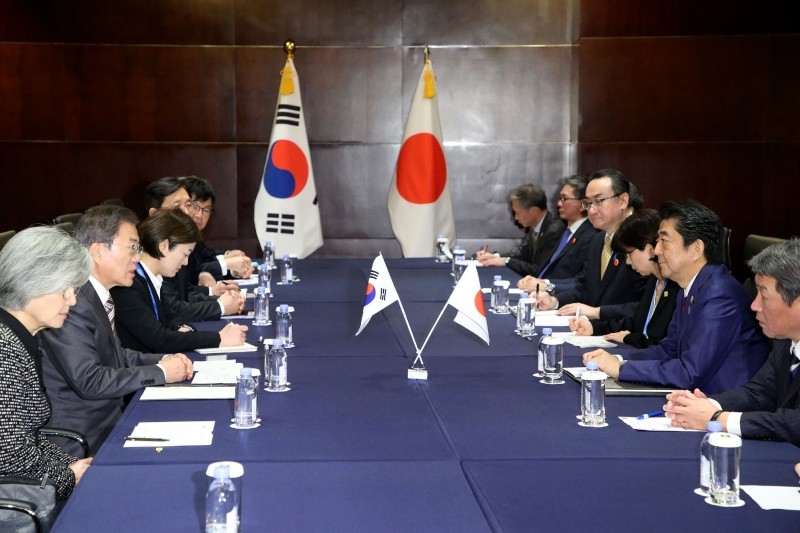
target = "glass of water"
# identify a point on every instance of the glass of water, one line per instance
(460, 267)
(526, 317)
(261, 307)
(726, 454)
(553, 351)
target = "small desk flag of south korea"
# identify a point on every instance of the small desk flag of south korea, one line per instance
(286, 210)
(380, 291)
(467, 298)
(419, 202)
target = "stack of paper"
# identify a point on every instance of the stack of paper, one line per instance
(158, 434)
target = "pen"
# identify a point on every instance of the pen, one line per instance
(146, 439)
(650, 415)
(578, 313)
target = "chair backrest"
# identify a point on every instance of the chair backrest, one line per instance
(112, 201)
(68, 227)
(5, 237)
(726, 247)
(752, 245)
(68, 217)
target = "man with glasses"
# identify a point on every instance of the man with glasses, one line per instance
(542, 232)
(187, 302)
(568, 258)
(86, 371)
(208, 266)
(607, 287)
(713, 342)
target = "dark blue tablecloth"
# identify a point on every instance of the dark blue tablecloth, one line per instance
(331, 496)
(618, 496)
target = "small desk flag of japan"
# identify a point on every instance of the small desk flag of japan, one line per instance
(286, 211)
(467, 298)
(419, 203)
(380, 291)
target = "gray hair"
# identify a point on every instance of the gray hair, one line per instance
(100, 224)
(781, 262)
(38, 261)
(528, 196)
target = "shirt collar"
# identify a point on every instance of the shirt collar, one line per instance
(689, 286)
(101, 291)
(577, 224)
(157, 281)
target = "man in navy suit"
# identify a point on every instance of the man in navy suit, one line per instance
(713, 342)
(768, 406)
(607, 287)
(569, 257)
(86, 370)
(542, 232)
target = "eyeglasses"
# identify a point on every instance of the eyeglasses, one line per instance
(598, 203)
(204, 210)
(136, 249)
(69, 292)
(564, 199)
(190, 208)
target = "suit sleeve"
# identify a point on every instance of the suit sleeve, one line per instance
(707, 346)
(73, 351)
(136, 317)
(530, 266)
(188, 311)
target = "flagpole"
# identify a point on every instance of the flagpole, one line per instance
(419, 352)
(402, 309)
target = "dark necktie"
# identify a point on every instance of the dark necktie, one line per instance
(561, 245)
(794, 364)
(109, 307)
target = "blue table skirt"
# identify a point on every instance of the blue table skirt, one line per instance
(618, 495)
(334, 496)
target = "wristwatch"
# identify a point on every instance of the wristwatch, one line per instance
(508, 259)
(549, 288)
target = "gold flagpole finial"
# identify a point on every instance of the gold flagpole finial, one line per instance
(427, 53)
(430, 80)
(287, 83)
(289, 47)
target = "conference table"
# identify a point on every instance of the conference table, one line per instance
(481, 445)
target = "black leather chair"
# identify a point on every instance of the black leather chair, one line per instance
(68, 217)
(752, 245)
(726, 247)
(37, 513)
(5, 237)
(68, 227)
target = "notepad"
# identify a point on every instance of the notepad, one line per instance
(589, 341)
(189, 392)
(197, 433)
(246, 347)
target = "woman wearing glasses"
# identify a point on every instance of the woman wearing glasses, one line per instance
(39, 270)
(636, 240)
(144, 322)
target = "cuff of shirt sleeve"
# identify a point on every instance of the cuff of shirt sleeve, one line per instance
(221, 308)
(734, 423)
(222, 265)
(619, 357)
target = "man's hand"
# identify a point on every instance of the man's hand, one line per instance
(232, 335)
(240, 266)
(592, 313)
(546, 301)
(79, 467)
(232, 301)
(691, 410)
(487, 259)
(221, 287)
(605, 362)
(581, 326)
(528, 284)
(178, 367)
(204, 279)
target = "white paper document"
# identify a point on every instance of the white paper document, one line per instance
(657, 423)
(549, 319)
(160, 434)
(246, 347)
(189, 392)
(252, 280)
(767, 497)
(247, 316)
(216, 373)
(589, 341)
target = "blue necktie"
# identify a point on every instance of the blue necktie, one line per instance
(561, 245)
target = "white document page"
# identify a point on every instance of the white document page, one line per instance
(784, 498)
(159, 434)
(246, 347)
(658, 423)
(189, 392)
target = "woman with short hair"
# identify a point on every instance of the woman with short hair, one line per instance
(40, 269)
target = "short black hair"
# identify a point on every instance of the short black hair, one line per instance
(693, 222)
(101, 223)
(172, 225)
(636, 231)
(155, 192)
(198, 189)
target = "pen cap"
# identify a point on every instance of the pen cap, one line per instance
(714, 426)
(591, 365)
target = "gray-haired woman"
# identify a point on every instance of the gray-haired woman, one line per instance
(39, 270)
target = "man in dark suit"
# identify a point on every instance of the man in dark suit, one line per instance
(607, 287)
(87, 373)
(713, 341)
(768, 406)
(569, 257)
(542, 232)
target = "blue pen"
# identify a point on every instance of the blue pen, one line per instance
(650, 415)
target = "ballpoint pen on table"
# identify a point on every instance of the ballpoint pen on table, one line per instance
(146, 439)
(650, 415)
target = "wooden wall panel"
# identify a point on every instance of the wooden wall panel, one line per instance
(783, 79)
(677, 89)
(618, 18)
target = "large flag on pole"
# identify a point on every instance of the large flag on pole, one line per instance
(286, 210)
(380, 291)
(467, 298)
(420, 207)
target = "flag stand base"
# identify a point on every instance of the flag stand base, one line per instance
(417, 373)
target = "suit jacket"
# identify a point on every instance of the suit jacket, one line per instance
(659, 322)
(204, 259)
(87, 372)
(572, 258)
(533, 253)
(186, 304)
(770, 402)
(139, 328)
(617, 294)
(713, 341)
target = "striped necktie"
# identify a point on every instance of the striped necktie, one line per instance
(109, 307)
(605, 256)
